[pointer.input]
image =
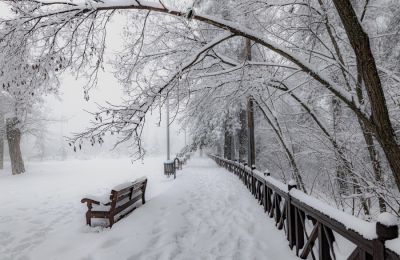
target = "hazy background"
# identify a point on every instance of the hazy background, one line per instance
(66, 114)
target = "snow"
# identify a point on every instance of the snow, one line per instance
(277, 183)
(393, 245)
(292, 182)
(122, 186)
(387, 219)
(206, 213)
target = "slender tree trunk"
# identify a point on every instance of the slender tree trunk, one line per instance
(219, 149)
(342, 170)
(251, 151)
(228, 140)
(338, 150)
(376, 165)
(383, 129)
(242, 135)
(289, 154)
(2, 129)
(14, 139)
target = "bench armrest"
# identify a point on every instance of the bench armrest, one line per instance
(90, 201)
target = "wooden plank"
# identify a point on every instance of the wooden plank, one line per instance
(272, 208)
(355, 255)
(299, 230)
(269, 195)
(330, 238)
(291, 223)
(282, 219)
(323, 245)
(378, 250)
(278, 212)
(310, 243)
(126, 205)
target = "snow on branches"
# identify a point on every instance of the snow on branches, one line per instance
(298, 53)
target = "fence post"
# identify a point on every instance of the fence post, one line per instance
(244, 177)
(290, 216)
(253, 181)
(386, 229)
(267, 199)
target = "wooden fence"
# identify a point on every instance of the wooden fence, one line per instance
(292, 209)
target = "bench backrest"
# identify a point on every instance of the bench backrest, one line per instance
(126, 195)
(177, 163)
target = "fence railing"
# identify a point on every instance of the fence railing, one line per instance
(293, 211)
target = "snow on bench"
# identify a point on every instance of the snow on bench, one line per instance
(119, 203)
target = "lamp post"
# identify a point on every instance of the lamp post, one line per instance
(250, 131)
(169, 166)
(167, 115)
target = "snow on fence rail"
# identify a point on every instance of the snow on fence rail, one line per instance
(291, 208)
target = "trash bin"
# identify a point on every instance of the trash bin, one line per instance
(169, 168)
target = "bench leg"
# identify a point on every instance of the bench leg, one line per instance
(143, 199)
(111, 220)
(88, 219)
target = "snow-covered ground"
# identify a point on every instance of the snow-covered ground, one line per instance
(206, 213)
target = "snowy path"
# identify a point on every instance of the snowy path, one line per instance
(206, 213)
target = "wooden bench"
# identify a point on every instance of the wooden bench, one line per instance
(119, 203)
(178, 163)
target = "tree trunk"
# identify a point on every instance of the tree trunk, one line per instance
(383, 129)
(242, 136)
(376, 165)
(228, 141)
(251, 151)
(369, 140)
(342, 170)
(374, 156)
(290, 156)
(14, 138)
(1, 141)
